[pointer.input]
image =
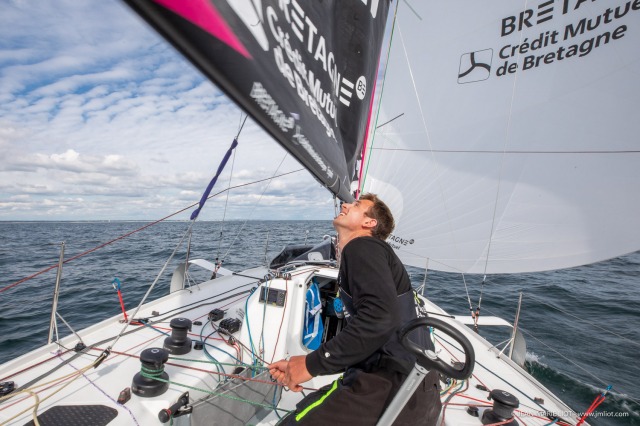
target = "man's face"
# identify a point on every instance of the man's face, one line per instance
(352, 216)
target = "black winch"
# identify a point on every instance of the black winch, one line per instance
(145, 383)
(178, 343)
(502, 411)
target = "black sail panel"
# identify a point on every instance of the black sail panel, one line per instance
(304, 70)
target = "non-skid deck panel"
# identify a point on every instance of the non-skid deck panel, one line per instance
(76, 415)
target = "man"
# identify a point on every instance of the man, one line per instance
(376, 292)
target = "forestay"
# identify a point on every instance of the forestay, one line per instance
(507, 137)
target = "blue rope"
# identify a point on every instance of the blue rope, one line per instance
(207, 191)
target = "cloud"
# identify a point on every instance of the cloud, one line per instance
(72, 161)
(101, 119)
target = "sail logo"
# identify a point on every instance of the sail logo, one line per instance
(397, 242)
(475, 66)
(347, 88)
(527, 18)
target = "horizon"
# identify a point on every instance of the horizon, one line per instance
(159, 221)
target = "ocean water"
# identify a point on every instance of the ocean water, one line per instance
(582, 325)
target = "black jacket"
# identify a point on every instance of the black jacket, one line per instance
(373, 276)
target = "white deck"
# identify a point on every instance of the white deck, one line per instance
(282, 336)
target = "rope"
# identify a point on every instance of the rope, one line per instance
(284, 310)
(626, 339)
(594, 405)
(564, 357)
(226, 202)
(504, 154)
(115, 402)
(68, 326)
(493, 373)
(246, 319)
(363, 178)
(151, 286)
(254, 208)
(84, 253)
(436, 166)
(34, 407)
(368, 128)
(234, 398)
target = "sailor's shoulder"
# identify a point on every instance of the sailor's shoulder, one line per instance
(365, 241)
(366, 246)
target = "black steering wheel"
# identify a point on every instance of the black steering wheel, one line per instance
(428, 359)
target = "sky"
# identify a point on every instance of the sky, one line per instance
(101, 119)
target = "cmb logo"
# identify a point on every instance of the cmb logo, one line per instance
(475, 66)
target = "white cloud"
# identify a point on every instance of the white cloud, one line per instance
(100, 119)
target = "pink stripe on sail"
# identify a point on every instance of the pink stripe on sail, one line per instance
(203, 14)
(366, 133)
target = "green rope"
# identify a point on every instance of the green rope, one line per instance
(234, 398)
(221, 363)
(151, 373)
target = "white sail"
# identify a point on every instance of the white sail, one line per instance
(527, 161)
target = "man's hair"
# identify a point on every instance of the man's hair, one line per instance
(381, 213)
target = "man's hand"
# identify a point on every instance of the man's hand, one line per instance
(291, 373)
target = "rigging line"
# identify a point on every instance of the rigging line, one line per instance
(532, 335)
(195, 307)
(488, 151)
(152, 286)
(17, 373)
(384, 79)
(530, 398)
(67, 361)
(584, 320)
(368, 129)
(68, 326)
(502, 160)
(109, 397)
(233, 163)
(34, 407)
(563, 356)
(466, 289)
(553, 306)
(254, 207)
(172, 312)
(284, 311)
(226, 202)
(392, 149)
(428, 137)
(413, 10)
(10, 286)
(214, 394)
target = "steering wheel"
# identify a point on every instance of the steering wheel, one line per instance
(429, 359)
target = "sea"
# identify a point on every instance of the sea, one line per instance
(582, 325)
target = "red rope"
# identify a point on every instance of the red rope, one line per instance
(593, 406)
(84, 253)
(34, 365)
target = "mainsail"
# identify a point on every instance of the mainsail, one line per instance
(305, 71)
(507, 138)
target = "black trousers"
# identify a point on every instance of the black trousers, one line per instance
(360, 398)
